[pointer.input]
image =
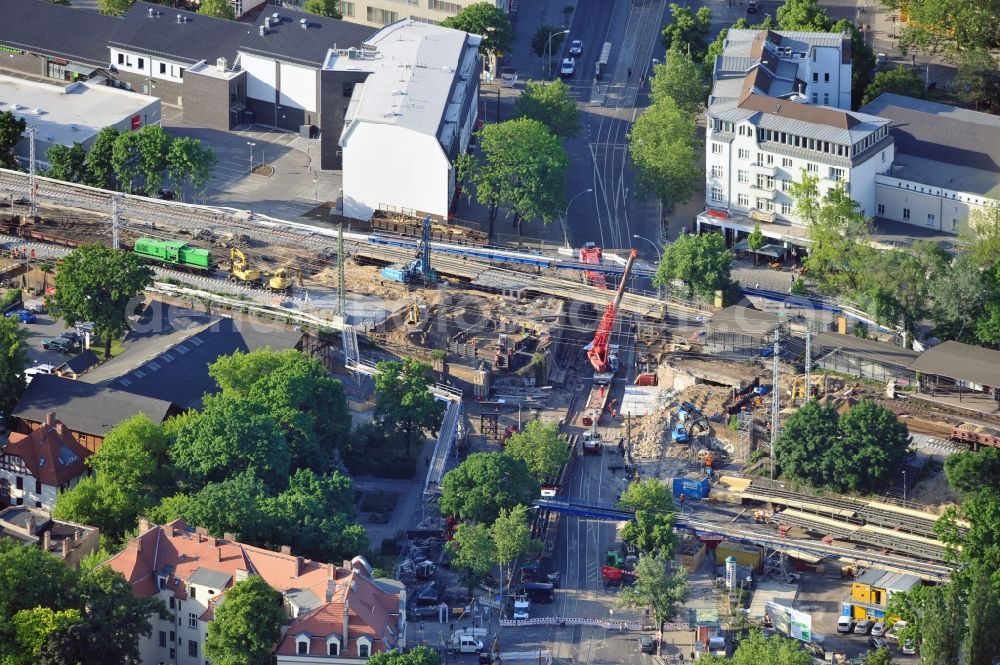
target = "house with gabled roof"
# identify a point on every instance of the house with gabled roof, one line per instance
(35, 468)
(335, 614)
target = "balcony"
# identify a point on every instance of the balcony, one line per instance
(768, 193)
(765, 169)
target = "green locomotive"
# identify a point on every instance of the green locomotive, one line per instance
(174, 253)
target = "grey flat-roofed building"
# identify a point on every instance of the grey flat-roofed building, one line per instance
(863, 358)
(739, 332)
(972, 365)
(286, 39)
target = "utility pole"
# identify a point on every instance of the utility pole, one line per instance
(341, 288)
(809, 359)
(32, 184)
(116, 221)
(774, 400)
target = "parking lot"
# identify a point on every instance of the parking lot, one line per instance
(45, 327)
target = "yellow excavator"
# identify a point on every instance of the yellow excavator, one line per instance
(240, 270)
(284, 279)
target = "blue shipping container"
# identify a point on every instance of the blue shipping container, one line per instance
(694, 488)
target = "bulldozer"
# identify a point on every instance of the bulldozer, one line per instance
(240, 270)
(284, 279)
(817, 386)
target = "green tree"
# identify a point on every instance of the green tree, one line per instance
(863, 61)
(511, 535)
(988, 325)
(982, 236)
(755, 241)
(541, 447)
(540, 41)
(229, 436)
(309, 407)
(981, 645)
(403, 400)
(237, 505)
(687, 30)
(656, 587)
(971, 472)
(420, 655)
(552, 104)
(665, 150)
(32, 629)
(487, 20)
(329, 8)
(246, 626)
(880, 656)
(484, 484)
(115, 7)
(95, 283)
(652, 530)
(100, 159)
(804, 15)
(803, 441)
(13, 361)
(760, 650)
(522, 166)
(909, 607)
(680, 79)
(30, 577)
(943, 625)
(114, 617)
(66, 162)
(702, 262)
(92, 501)
(11, 130)
(126, 160)
(220, 9)
(899, 80)
(154, 146)
(184, 159)
(944, 25)
(474, 550)
(960, 295)
(870, 449)
(977, 79)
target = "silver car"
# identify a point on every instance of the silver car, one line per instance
(575, 47)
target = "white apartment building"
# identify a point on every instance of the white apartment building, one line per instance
(412, 109)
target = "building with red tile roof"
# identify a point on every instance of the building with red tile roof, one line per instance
(325, 604)
(36, 467)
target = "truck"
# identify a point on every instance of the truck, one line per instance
(522, 607)
(467, 640)
(592, 443)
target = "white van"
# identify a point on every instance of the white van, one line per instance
(845, 624)
(32, 372)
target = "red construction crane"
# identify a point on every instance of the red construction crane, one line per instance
(591, 253)
(600, 350)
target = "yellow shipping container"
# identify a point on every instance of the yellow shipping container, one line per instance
(746, 555)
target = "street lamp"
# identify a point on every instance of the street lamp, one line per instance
(659, 254)
(548, 52)
(251, 144)
(904, 486)
(566, 214)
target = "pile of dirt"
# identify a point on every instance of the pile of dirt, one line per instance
(935, 493)
(708, 399)
(651, 438)
(360, 279)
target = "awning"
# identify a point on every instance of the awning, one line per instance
(777, 251)
(82, 70)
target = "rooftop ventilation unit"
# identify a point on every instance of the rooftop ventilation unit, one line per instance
(276, 16)
(220, 64)
(263, 30)
(304, 23)
(352, 54)
(152, 12)
(180, 19)
(267, 21)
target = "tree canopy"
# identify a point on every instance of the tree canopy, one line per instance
(541, 447)
(656, 587)
(246, 626)
(679, 78)
(484, 484)
(329, 8)
(403, 400)
(687, 30)
(665, 150)
(861, 451)
(652, 530)
(420, 655)
(702, 262)
(943, 25)
(804, 15)
(511, 536)
(760, 650)
(95, 283)
(977, 79)
(11, 130)
(552, 104)
(522, 167)
(100, 170)
(218, 9)
(900, 80)
(487, 20)
(67, 162)
(13, 361)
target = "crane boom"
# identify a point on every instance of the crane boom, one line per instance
(600, 350)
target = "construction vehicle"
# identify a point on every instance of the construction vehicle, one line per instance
(592, 254)
(419, 270)
(240, 270)
(600, 349)
(616, 575)
(284, 279)
(817, 387)
(467, 640)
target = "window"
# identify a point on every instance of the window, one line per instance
(194, 592)
(348, 89)
(163, 638)
(742, 176)
(121, 58)
(743, 200)
(786, 162)
(441, 6)
(815, 98)
(347, 8)
(931, 219)
(38, 504)
(716, 148)
(142, 63)
(173, 637)
(192, 620)
(826, 77)
(383, 16)
(716, 194)
(826, 99)
(333, 649)
(880, 209)
(163, 68)
(180, 74)
(765, 181)
(192, 648)
(302, 647)
(784, 184)
(364, 650)
(812, 168)
(743, 153)
(172, 600)
(173, 654)
(836, 174)
(38, 487)
(786, 208)
(906, 213)
(19, 483)
(815, 77)
(716, 171)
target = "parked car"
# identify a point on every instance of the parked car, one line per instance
(863, 627)
(32, 372)
(647, 644)
(845, 624)
(72, 336)
(876, 643)
(576, 47)
(878, 630)
(908, 648)
(752, 7)
(60, 344)
(568, 67)
(166, 195)
(24, 315)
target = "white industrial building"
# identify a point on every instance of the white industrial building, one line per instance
(411, 113)
(73, 113)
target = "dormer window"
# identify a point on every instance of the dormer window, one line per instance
(333, 646)
(302, 645)
(364, 647)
